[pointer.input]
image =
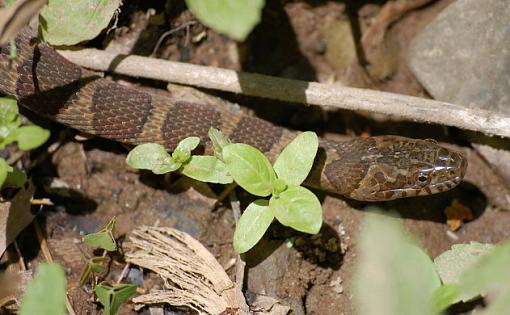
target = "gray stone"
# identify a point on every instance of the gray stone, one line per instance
(463, 56)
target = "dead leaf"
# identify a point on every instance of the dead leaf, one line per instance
(13, 18)
(456, 214)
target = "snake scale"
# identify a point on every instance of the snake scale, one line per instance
(370, 169)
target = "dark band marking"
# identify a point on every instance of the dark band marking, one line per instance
(187, 119)
(119, 112)
(44, 85)
(256, 132)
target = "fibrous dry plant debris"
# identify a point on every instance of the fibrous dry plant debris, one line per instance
(193, 277)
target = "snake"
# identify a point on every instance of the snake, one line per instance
(377, 168)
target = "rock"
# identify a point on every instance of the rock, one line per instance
(463, 56)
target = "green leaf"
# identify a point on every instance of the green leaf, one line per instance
(298, 208)
(219, 141)
(15, 178)
(236, 18)
(490, 274)
(64, 22)
(30, 137)
(46, 293)
(152, 156)
(104, 238)
(249, 168)
(454, 262)
(279, 186)
(4, 170)
(394, 276)
(9, 120)
(111, 297)
(207, 168)
(499, 306)
(182, 152)
(444, 296)
(296, 160)
(252, 225)
(93, 265)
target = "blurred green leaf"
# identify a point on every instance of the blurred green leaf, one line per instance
(15, 178)
(9, 120)
(104, 238)
(236, 18)
(298, 208)
(252, 225)
(394, 276)
(444, 296)
(64, 22)
(111, 297)
(30, 137)
(4, 170)
(206, 169)
(249, 168)
(296, 160)
(489, 274)
(152, 156)
(46, 293)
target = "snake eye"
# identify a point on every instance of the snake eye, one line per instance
(422, 179)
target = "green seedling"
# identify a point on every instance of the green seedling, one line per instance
(154, 157)
(104, 238)
(112, 296)
(292, 205)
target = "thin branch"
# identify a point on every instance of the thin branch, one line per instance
(407, 107)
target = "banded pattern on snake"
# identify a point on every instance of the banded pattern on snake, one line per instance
(370, 169)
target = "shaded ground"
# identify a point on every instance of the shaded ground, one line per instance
(307, 40)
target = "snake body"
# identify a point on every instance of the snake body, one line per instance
(371, 169)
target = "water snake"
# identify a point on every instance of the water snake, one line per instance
(371, 169)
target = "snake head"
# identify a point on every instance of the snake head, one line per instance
(397, 167)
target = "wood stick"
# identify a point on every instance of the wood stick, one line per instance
(407, 107)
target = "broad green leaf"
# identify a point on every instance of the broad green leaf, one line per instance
(15, 178)
(4, 170)
(298, 208)
(490, 274)
(64, 22)
(30, 137)
(151, 156)
(111, 297)
(249, 168)
(394, 276)
(207, 168)
(189, 143)
(104, 238)
(452, 263)
(236, 18)
(46, 293)
(219, 141)
(252, 225)
(296, 160)
(182, 152)
(444, 296)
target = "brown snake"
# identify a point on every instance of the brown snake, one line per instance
(371, 169)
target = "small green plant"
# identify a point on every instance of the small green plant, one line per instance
(154, 157)
(291, 204)
(110, 296)
(395, 276)
(46, 293)
(28, 137)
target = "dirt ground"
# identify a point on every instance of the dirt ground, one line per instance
(89, 181)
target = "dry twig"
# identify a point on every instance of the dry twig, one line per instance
(407, 107)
